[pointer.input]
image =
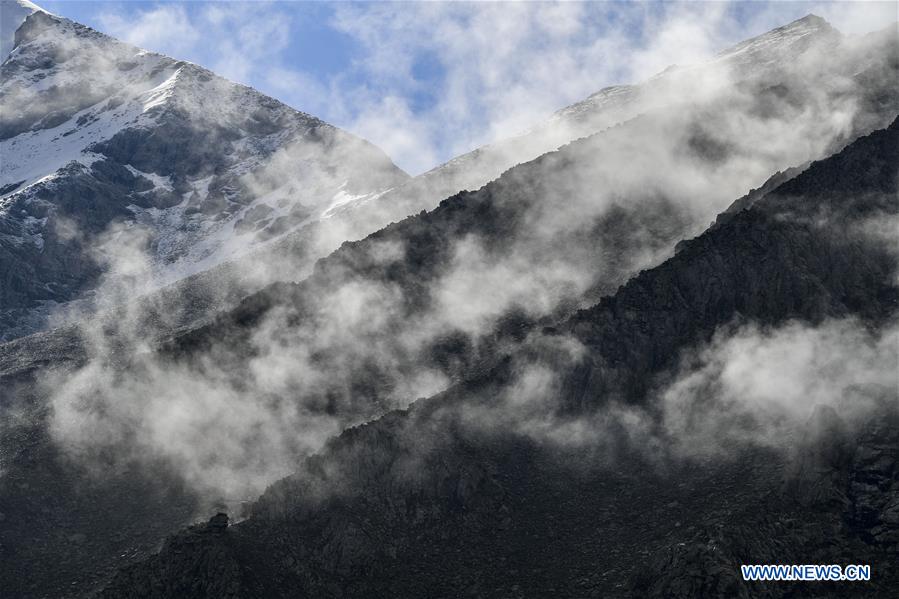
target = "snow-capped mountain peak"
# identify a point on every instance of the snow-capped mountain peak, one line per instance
(12, 14)
(793, 38)
(94, 132)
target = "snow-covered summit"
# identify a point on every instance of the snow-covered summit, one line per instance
(790, 39)
(749, 58)
(12, 14)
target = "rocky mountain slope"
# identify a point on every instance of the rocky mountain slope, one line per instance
(442, 500)
(114, 156)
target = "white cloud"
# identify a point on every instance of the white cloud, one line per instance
(234, 38)
(853, 18)
(165, 28)
(754, 385)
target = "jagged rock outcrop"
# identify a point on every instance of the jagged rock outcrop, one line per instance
(216, 574)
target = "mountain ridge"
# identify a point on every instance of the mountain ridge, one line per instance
(397, 506)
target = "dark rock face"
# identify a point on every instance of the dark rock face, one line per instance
(215, 574)
(811, 521)
(819, 271)
(873, 492)
(60, 545)
(72, 213)
(218, 523)
(820, 469)
(420, 503)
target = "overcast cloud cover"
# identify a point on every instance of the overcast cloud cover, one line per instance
(428, 81)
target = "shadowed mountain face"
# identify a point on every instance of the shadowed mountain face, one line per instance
(456, 496)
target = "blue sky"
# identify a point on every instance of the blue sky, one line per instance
(428, 81)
